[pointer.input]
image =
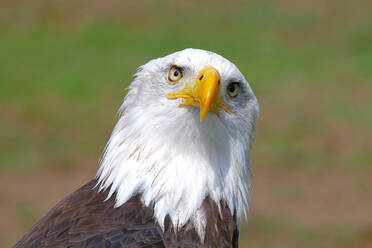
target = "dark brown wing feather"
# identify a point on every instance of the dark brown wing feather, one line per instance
(85, 219)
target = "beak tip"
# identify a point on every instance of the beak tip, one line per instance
(202, 115)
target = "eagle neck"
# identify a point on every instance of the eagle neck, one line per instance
(175, 167)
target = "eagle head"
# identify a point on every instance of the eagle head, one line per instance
(184, 133)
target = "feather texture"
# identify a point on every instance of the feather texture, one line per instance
(86, 219)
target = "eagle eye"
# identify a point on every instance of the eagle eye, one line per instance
(233, 89)
(175, 74)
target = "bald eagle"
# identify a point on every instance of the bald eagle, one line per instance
(176, 169)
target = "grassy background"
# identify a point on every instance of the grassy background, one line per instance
(64, 67)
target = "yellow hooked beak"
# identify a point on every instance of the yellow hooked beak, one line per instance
(204, 93)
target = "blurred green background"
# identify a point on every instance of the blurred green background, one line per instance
(64, 67)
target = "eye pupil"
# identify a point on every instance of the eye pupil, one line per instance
(231, 88)
(176, 73)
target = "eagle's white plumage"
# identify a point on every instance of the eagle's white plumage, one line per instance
(165, 153)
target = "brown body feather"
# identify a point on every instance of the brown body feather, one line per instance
(86, 219)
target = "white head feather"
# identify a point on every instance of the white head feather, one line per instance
(167, 155)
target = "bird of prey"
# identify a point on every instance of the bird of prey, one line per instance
(176, 169)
